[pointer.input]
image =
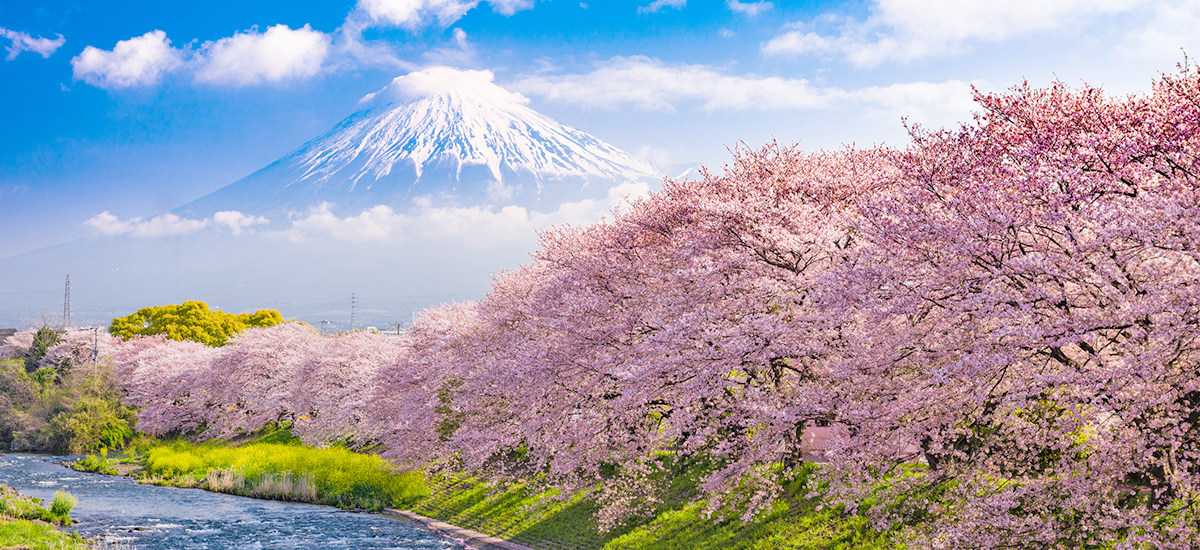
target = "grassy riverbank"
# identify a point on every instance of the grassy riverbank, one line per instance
(276, 466)
(542, 519)
(25, 524)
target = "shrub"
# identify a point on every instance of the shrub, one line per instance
(63, 503)
(92, 423)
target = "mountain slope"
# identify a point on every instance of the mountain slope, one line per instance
(448, 134)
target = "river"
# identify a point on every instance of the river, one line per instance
(121, 511)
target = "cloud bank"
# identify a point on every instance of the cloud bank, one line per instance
(903, 30)
(423, 222)
(470, 226)
(280, 54)
(163, 225)
(647, 83)
(650, 84)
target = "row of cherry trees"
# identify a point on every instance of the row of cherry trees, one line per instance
(999, 324)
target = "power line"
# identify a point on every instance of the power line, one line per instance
(353, 310)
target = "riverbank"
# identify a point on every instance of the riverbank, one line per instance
(25, 524)
(119, 512)
(524, 514)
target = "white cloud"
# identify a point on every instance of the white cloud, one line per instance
(108, 224)
(279, 54)
(650, 84)
(22, 42)
(163, 225)
(509, 7)
(139, 61)
(800, 42)
(434, 81)
(414, 14)
(375, 224)
(660, 4)
(1170, 31)
(473, 226)
(935, 104)
(904, 30)
(167, 225)
(748, 8)
(237, 222)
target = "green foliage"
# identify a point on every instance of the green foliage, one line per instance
(76, 412)
(63, 503)
(287, 471)
(191, 320)
(93, 423)
(44, 339)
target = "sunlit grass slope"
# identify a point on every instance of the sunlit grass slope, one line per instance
(541, 519)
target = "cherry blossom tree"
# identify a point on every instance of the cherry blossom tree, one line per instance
(251, 380)
(1028, 324)
(332, 389)
(161, 378)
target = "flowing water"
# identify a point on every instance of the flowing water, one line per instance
(121, 511)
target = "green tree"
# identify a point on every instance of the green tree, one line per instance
(43, 340)
(191, 320)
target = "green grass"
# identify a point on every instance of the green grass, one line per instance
(35, 535)
(25, 524)
(536, 518)
(98, 464)
(286, 471)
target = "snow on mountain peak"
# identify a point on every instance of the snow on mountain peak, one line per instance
(438, 132)
(452, 119)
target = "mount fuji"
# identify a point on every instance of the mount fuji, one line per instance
(450, 135)
(441, 179)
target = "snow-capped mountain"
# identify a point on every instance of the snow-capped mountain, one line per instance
(448, 134)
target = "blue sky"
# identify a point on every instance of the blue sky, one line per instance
(137, 107)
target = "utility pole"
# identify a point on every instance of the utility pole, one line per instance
(67, 304)
(353, 310)
(95, 344)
